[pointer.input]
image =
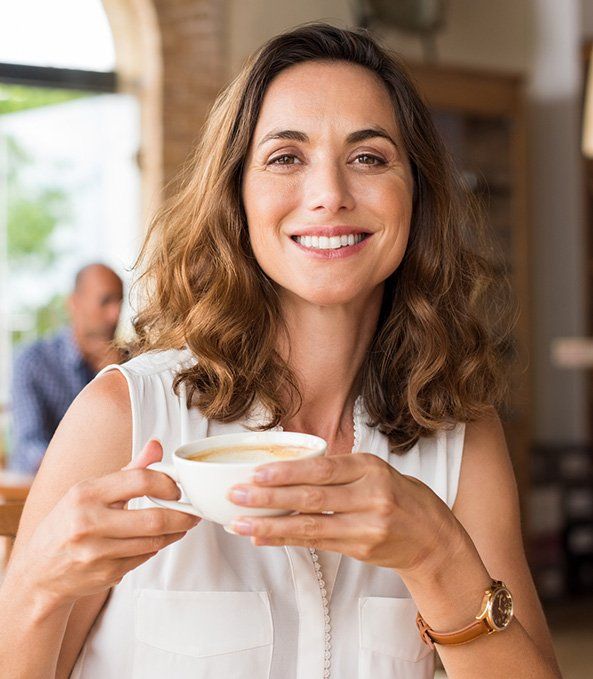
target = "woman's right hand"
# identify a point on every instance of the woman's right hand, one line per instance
(89, 540)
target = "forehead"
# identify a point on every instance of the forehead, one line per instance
(99, 281)
(336, 93)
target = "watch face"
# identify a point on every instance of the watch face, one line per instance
(501, 609)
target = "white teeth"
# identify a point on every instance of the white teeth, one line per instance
(331, 243)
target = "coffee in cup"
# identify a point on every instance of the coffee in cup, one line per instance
(251, 453)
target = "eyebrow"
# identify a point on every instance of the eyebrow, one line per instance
(352, 138)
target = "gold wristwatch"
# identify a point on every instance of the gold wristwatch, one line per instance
(495, 615)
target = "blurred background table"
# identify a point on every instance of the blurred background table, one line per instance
(14, 487)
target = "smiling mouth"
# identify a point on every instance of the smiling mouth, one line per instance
(330, 242)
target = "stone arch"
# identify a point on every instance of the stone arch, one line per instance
(171, 55)
(137, 42)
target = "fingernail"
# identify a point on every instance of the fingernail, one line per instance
(242, 527)
(261, 475)
(239, 495)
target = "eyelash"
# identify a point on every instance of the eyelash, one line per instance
(377, 159)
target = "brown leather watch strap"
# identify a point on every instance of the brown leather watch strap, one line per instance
(475, 629)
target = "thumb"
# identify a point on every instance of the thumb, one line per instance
(152, 452)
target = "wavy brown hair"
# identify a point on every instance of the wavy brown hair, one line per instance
(436, 355)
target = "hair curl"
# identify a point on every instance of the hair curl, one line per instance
(438, 354)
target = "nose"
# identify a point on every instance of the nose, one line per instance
(327, 188)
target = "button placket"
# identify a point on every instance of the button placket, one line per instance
(358, 425)
(326, 613)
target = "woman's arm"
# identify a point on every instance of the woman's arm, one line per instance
(76, 540)
(446, 559)
(449, 590)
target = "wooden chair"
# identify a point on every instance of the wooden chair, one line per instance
(10, 515)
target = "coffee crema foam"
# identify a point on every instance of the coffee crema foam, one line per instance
(251, 453)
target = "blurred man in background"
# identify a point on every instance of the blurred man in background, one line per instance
(48, 374)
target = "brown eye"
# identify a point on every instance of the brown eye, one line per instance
(368, 159)
(284, 159)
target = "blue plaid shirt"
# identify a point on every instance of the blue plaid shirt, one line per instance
(47, 376)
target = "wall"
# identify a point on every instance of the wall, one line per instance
(539, 39)
(481, 33)
(557, 207)
(252, 22)
(192, 33)
(587, 18)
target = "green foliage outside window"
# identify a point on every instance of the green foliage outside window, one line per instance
(33, 212)
(15, 98)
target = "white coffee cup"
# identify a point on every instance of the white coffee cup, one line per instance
(206, 484)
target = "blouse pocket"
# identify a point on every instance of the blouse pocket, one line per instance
(390, 645)
(202, 635)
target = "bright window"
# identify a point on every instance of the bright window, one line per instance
(69, 176)
(57, 33)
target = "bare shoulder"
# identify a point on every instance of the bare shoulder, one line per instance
(487, 505)
(93, 439)
(96, 432)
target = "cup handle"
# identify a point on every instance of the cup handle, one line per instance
(171, 472)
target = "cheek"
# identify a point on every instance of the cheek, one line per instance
(394, 209)
(265, 199)
(392, 199)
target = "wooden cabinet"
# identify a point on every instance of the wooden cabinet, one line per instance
(481, 116)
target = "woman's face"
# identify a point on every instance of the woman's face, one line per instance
(327, 187)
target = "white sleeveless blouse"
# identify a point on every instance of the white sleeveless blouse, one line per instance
(212, 606)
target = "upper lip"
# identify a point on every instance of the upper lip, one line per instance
(329, 231)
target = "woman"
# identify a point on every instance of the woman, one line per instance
(312, 274)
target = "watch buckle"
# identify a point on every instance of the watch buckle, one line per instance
(423, 629)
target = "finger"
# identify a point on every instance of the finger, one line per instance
(304, 527)
(131, 547)
(127, 564)
(115, 523)
(328, 470)
(125, 485)
(151, 453)
(304, 499)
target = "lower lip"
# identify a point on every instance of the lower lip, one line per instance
(339, 253)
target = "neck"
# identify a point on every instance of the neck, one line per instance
(96, 351)
(326, 349)
(80, 338)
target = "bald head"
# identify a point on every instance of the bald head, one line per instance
(95, 303)
(93, 272)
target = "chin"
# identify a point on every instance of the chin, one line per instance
(327, 296)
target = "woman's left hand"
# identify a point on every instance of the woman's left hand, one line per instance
(354, 504)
